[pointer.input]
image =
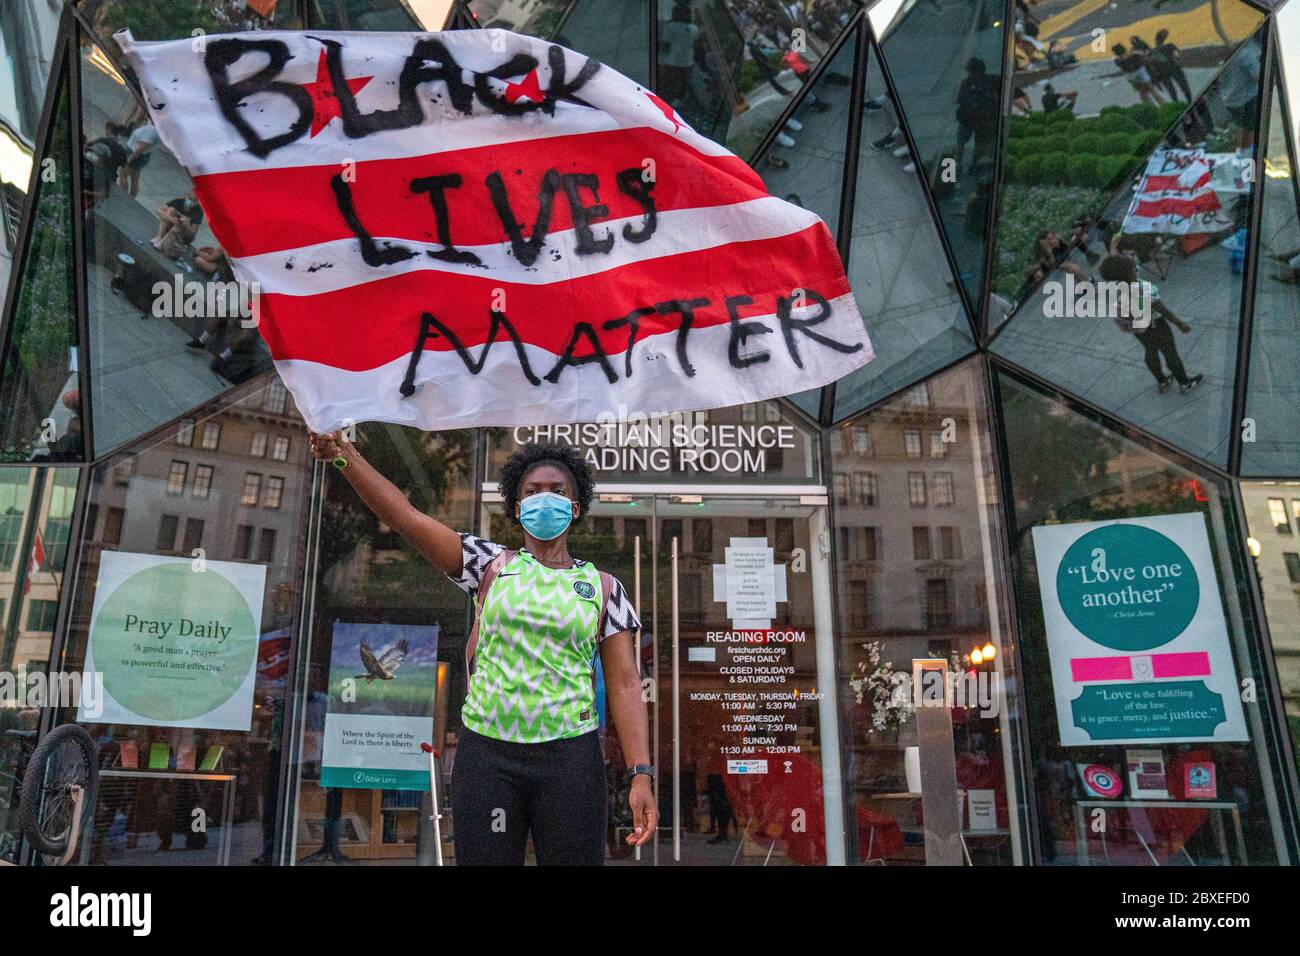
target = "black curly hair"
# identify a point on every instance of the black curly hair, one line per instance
(564, 457)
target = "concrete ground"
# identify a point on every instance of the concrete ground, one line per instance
(1095, 360)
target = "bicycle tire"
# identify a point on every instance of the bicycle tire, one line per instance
(34, 781)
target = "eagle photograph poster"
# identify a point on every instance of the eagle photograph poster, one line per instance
(382, 682)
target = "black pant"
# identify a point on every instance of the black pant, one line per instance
(1159, 340)
(503, 791)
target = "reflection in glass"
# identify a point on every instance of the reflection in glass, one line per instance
(1273, 387)
(810, 401)
(396, 15)
(538, 19)
(33, 546)
(1088, 107)
(369, 575)
(151, 20)
(804, 165)
(1273, 520)
(897, 267)
(40, 399)
(617, 35)
(153, 356)
(730, 67)
(916, 580)
(945, 61)
(27, 35)
(1140, 310)
(1066, 469)
(136, 507)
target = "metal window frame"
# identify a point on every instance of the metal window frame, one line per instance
(1278, 94)
(27, 222)
(1250, 265)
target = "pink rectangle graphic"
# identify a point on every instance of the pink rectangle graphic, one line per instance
(1100, 668)
(1191, 664)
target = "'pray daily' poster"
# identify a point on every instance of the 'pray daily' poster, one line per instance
(176, 640)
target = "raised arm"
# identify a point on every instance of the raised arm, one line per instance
(433, 539)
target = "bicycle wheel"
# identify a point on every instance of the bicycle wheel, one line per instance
(65, 758)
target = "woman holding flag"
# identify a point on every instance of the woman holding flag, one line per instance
(529, 761)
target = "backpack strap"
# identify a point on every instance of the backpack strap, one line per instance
(606, 589)
(499, 561)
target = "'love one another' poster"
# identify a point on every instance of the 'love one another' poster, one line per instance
(1135, 629)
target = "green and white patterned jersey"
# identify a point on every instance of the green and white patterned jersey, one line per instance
(538, 633)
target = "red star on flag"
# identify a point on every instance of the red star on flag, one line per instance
(324, 103)
(664, 108)
(528, 88)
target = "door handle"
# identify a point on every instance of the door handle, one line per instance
(636, 646)
(677, 725)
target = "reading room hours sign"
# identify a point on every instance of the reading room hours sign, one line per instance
(176, 644)
(1138, 643)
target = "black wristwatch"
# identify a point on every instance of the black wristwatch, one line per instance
(645, 768)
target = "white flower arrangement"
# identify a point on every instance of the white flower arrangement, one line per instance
(889, 690)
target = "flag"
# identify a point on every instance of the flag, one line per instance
(1176, 195)
(35, 562)
(475, 228)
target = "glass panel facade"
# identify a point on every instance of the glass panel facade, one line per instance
(804, 164)
(27, 35)
(897, 266)
(910, 694)
(538, 18)
(40, 398)
(167, 327)
(614, 34)
(1272, 444)
(1273, 520)
(180, 18)
(1166, 790)
(1140, 314)
(1094, 88)
(36, 509)
(731, 68)
(373, 586)
(917, 578)
(378, 14)
(165, 770)
(945, 59)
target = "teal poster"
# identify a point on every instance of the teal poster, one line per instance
(175, 640)
(1139, 647)
(381, 699)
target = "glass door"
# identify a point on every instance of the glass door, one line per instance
(744, 712)
(734, 595)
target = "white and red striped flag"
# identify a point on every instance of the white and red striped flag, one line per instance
(480, 228)
(34, 562)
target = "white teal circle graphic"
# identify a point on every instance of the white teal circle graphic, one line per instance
(174, 643)
(1128, 587)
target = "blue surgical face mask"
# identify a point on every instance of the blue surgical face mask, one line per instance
(545, 515)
